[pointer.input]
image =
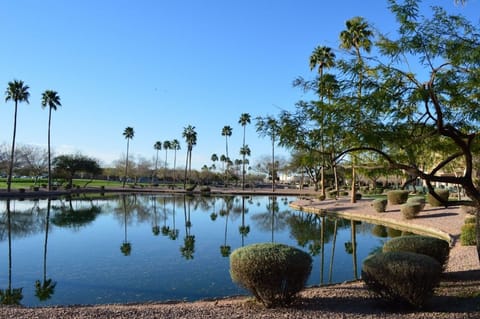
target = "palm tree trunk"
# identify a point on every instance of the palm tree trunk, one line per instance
(9, 229)
(12, 152)
(333, 251)
(49, 153)
(126, 164)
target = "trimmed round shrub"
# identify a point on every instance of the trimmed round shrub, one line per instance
(436, 248)
(442, 193)
(273, 273)
(402, 277)
(332, 194)
(410, 210)
(358, 196)
(417, 199)
(397, 197)
(380, 205)
(468, 235)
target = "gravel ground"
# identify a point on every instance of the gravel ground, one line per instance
(457, 297)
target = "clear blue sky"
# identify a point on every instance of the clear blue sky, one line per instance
(159, 66)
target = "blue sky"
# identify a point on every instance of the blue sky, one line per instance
(159, 66)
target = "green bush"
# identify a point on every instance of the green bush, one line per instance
(380, 205)
(273, 273)
(436, 248)
(470, 220)
(468, 235)
(358, 196)
(443, 193)
(397, 197)
(402, 277)
(410, 210)
(332, 194)
(321, 197)
(417, 199)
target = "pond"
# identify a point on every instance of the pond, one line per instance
(138, 248)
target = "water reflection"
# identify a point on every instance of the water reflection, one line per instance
(160, 267)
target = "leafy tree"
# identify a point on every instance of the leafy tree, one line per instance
(69, 165)
(243, 121)
(17, 91)
(52, 100)
(128, 133)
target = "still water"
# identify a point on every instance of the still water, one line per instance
(137, 248)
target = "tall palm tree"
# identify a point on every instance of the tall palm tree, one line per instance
(128, 133)
(243, 121)
(158, 147)
(227, 132)
(269, 126)
(167, 145)
(175, 147)
(190, 137)
(17, 91)
(52, 100)
(357, 36)
(323, 57)
(214, 158)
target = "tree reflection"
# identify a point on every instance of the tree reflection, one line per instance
(68, 216)
(45, 289)
(188, 247)
(126, 247)
(10, 296)
(155, 227)
(227, 206)
(173, 233)
(244, 229)
(272, 220)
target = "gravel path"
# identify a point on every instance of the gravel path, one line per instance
(453, 299)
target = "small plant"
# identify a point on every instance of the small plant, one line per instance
(397, 197)
(436, 248)
(332, 194)
(417, 199)
(321, 197)
(402, 277)
(410, 210)
(273, 273)
(358, 196)
(380, 205)
(468, 235)
(442, 193)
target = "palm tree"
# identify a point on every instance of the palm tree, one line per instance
(16, 91)
(227, 132)
(52, 100)
(324, 58)
(128, 133)
(244, 120)
(244, 151)
(167, 145)
(175, 147)
(158, 147)
(269, 126)
(190, 137)
(356, 36)
(214, 158)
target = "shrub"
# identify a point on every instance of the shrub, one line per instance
(470, 220)
(380, 205)
(321, 197)
(358, 196)
(332, 194)
(190, 188)
(273, 273)
(436, 248)
(468, 235)
(442, 193)
(397, 197)
(410, 210)
(417, 199)
(402, 277)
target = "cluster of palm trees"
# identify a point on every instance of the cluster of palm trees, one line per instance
(18, 92)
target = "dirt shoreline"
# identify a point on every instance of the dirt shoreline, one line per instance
(457, 297)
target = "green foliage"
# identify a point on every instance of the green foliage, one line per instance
(410, 210)
(436, 248)
(273, 273)
(442, 193)
(397, 197)
(190, 188)
(417, 199)
(402, 277)
(380, 205)
(468, 235)
(358, 196)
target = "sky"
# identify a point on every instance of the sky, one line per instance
(159, 66)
